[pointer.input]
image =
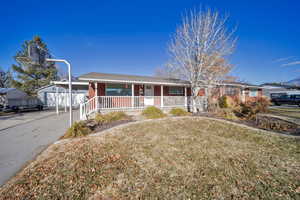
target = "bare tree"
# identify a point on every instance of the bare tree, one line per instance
(199, 50)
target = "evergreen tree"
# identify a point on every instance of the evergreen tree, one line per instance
(5, 78)
(31, 76)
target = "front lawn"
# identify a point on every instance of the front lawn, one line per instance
(173, 158)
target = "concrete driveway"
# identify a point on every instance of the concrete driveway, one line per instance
(23, 136)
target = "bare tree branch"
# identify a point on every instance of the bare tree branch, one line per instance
(200, 47)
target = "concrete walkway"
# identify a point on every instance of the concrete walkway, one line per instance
(23, 137)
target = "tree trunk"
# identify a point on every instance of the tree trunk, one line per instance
(195, 91)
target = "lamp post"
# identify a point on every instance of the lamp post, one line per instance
(70, 84)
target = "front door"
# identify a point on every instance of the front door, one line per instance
(149, 93)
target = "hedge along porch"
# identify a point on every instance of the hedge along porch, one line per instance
(126, 92)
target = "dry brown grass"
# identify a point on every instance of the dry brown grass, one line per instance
(174, 158)
(288, 112)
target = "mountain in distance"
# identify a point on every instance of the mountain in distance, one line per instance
(295, 81)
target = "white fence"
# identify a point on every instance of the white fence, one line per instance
(102, 103)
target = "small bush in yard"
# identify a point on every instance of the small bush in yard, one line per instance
(227, 113)
(76, 130)
(153, 112)
(100, 119)
(251, 108)
(179, 112)
(223, 102)
(110, 117)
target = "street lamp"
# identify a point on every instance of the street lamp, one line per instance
(70, 84)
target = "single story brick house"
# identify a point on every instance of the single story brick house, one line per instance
(242, 91)
(124, 92)
(131, 92)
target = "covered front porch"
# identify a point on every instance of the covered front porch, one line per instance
(129, 92)
(120, 96)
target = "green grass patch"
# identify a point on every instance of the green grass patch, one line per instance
(153, 112)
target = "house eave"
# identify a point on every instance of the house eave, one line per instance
(67, 83)
(134, 82)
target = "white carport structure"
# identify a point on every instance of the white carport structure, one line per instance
(56, 95)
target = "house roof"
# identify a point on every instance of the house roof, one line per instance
(122, 78)
(241, 84)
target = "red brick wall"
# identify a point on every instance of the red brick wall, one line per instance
(91, 90)
(101, 89)
(166, 90)
(260, 93)
(137, 90)
(157, 90)
(201, 92)
(189, 91)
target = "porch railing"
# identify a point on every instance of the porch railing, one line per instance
(102, 103)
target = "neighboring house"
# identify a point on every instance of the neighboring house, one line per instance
(57, 94)
(274, 90)
(10, 93)
(242, 91)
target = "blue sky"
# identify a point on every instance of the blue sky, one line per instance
(131, 36)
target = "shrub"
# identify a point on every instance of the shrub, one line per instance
(263, 104)
(110, 117)
(76, 130)
(100, 119)
(253, 107)
(116, 116)
(179, 112)
(227, 113)
(153, 112)
(223, 102)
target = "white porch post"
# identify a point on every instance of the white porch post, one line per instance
(161, 96)
(65, 100)
(56, 100)
(132, 95)
(185, 97)
(96, 94)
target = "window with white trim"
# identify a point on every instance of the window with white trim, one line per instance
(253, 93)
(118, 90)
(176, 91)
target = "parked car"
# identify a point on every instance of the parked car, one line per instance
(26, 103)
(12, 99)
(293, 99)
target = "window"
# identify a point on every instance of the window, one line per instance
(176, 91)
(253, 93)
(231, 91)
(118, 90)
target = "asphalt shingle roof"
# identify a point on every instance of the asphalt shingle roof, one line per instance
(130, 78)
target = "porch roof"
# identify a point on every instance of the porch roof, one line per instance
(122, 78)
